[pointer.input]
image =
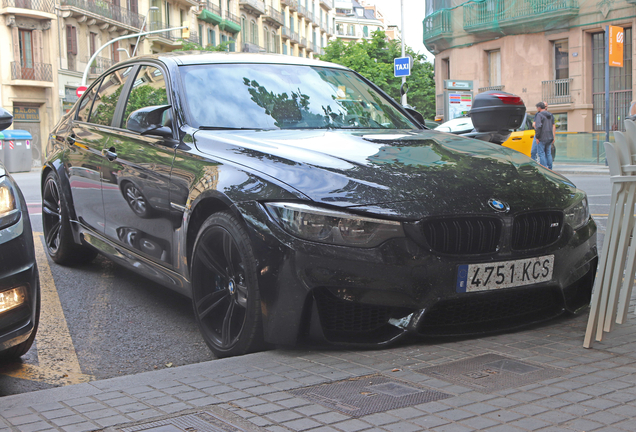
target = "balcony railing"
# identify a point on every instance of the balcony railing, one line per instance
(294, 37)
(438, 23)
(211, 7)
(252, 48)
(274, 15)
(497, 87)
(99, 65)
(107, 10)
(39, 5)
(255, 5)
(309, 16)
(303, 42)
(173, 35)
(39, 72)
(210, 13)
(327, 3)
(556, 91)
(293, 4)
(285, 33)
(492, 14)
(302, 10)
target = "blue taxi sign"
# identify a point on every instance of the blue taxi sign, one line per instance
(402, 66)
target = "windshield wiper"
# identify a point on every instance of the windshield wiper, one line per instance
(230, 128)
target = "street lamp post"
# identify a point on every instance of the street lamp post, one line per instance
(151, 8)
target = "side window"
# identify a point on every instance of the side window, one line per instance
(149, 89)
(107, 97)
(84, 108)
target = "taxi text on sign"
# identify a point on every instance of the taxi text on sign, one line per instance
(616, 43)
(402, 66)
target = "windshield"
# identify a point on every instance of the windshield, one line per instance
(268, 96)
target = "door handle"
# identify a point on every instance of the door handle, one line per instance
(110, 153)
(516, 139)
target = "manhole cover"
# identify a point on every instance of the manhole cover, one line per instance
(202, 421)
(368, 394)
(491, 372)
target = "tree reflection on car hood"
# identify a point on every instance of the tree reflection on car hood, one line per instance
(404, 173)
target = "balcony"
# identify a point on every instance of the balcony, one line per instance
(252, 48)
(293, 4)
(273, 16)
(104, 13)
(438, 30)
(294, 37)
(99, 65)
(557, 91)
(285, 33)
(302, 11)
(329, 4)
(256, 7)
(170, 38)
(485, 89)
(502, 16)
(302, 42)
(231, 23)
(309, 16)
(210, 13)
(30, 8)
(39, 72)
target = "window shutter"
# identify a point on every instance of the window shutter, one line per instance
(71, 40)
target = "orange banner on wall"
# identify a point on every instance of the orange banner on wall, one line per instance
(616, 43)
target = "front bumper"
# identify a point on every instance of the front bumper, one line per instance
(18, 269)
(375, 296)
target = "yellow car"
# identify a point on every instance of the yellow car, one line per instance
(521, 139)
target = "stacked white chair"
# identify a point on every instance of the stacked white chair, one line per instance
(617, 264)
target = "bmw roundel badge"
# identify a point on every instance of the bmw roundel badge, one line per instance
(499, 206)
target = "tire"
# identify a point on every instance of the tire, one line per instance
(57, 227)
(225, 294)
(21, 349)
(136, 200)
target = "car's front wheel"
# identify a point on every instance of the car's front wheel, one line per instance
(225, 296)
(57, 227)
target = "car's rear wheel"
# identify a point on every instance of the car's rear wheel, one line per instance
(57, 227)
(225, 291)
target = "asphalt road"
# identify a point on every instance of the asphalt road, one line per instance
(101, 320)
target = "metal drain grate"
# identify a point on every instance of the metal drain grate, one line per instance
(491, 372)
(202, 421)
(368, 395)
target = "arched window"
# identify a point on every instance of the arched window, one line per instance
(253, 32)
(243, 29)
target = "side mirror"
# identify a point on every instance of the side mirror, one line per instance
(6, 119)
(416, 115)
(151, 120)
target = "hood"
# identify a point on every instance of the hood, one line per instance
(409, 174)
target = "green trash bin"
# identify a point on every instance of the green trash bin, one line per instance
(16, 146)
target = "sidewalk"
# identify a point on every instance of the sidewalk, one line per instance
(580, 169)
(538, 379)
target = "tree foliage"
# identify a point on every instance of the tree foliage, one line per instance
(373, 59)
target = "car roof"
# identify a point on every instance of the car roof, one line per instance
(183, 58)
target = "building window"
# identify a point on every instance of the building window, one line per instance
(243, 29)
(211, 37)
(200, 34)
(71, 46)
(494, 68)
(620, 83)
(93, 42)
(232, 45)
(253, 32)
(114, 53)
(351, 30)
(561, 121)
(365, 31)
(26, 52)
(285, 49)
(446, 69)
(268, 41)
(561, 60)
(167, 9)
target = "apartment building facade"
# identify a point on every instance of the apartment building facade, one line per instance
(356, 21)
(541, 50)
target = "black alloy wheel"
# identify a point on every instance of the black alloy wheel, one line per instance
(136, 200)
(225, 296)
(57, 228)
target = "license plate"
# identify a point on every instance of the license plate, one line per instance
(504, 274)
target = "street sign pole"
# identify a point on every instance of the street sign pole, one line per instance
(403, 53)
(90, 62)
(607, 84)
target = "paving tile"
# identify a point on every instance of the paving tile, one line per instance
(112, 421)
(312, 410)
(380, 419)
(93, 406)
(585, 425)
(25, 418)
(606, 417)
(119, 401)
(504, 416)
(352, 425)
(68, 420)
(144, 414)
(79, 427)
(283, 416)
(204, 401)
(302, 424)
(266, 408)
(34, 427)
(331, 417)
(530, 423)
(479, 423)
(94, 415)
(429, 421)
(402, 427)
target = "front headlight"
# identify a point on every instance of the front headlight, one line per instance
(578, 214)
(331, 226)
(9, 212)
